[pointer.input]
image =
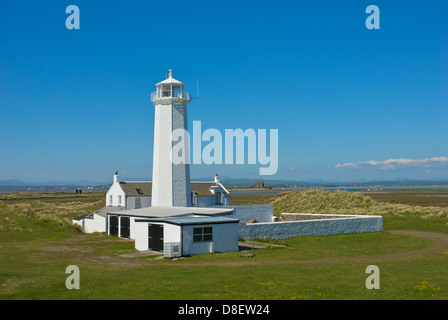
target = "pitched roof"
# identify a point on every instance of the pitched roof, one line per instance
(203, 188)
(101, 212)
(130, 188)
(137, 188)
(170, 81)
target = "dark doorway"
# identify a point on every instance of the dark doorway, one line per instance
(155, 237)
(125, 227)
(113, 225)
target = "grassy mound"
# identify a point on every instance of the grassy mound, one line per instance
(341, 202)
(19, 212)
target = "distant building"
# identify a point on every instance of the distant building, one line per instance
(258, 184)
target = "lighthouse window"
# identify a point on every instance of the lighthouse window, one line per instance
(166, 92)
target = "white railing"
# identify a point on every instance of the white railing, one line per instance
(167, 95)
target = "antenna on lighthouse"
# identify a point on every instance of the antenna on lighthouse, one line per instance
(197, 89)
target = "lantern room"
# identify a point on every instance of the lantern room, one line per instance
(170, 89)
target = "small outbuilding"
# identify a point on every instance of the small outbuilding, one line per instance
(186, 230)
(187, 235)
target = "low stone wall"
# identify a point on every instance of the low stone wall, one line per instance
(312, 227)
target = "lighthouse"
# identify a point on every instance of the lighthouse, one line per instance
(170, 182)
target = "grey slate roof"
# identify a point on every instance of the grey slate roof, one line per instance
(130, 188)
(203, 188)
(86, 216)
(105, 210)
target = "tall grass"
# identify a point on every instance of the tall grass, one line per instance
(14, 216)
(341, 202)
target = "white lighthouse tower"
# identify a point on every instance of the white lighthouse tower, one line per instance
(170, 182)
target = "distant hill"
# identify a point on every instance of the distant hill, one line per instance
(74, 183)
(242, 183)
(239, 183)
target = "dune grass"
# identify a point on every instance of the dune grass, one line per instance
(15, 215)
(341, 202)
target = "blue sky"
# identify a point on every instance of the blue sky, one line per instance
(75, 104)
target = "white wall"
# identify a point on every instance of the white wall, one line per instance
(204, 201)
(209, 201)
(180, 172)
(78, 222)
(225, 238)
(315, 227)
(100, 223)
(141, 235)
(88, 226)
(262, 213)
(97, 224)
(115, 191)
(130, 202)
(171, 233)
(162, 175)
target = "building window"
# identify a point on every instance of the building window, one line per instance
(110, 200)
(192, 198)
(139, 191)
(138, 203)
(119, 200)
(202, 234)
(218, 197)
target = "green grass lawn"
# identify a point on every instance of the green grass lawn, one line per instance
(37, 244)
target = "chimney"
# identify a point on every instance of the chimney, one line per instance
(216, 179)
(116, 177)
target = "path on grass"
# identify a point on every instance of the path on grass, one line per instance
(439, 246)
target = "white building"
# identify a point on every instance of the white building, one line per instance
(171, 213)
(197, 234)
(139, 194)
